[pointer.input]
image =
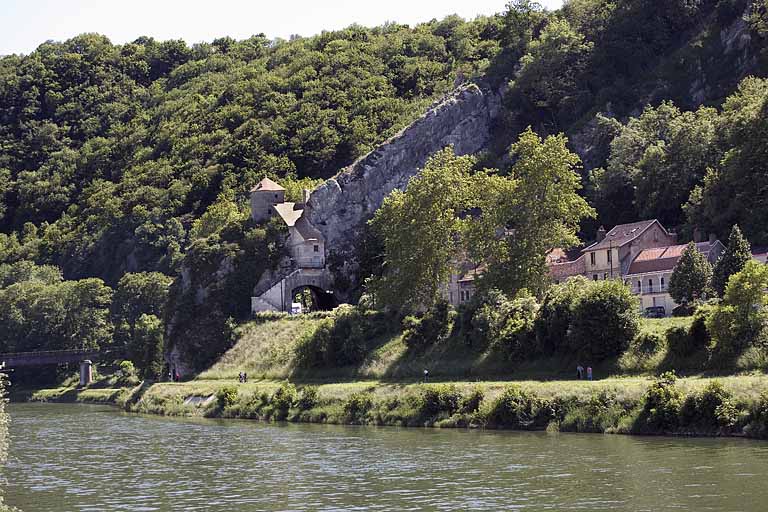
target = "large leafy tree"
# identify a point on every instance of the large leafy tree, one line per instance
(692, 277)
(421, 229)
(138, 295)
(526, 214)
(733, 259)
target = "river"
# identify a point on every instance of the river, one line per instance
(67, 457)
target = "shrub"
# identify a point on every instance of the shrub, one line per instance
(342, 338)
(710, 410)
(283, 399)
(308, 398)
(432, 327)
(226, 397)
(599, 414)
(554, 316)
(442, 398)
(506, 324)
(757, 425)
(470, 404)
(356, 407)
(740, 320)
(518, 409)
(679, 341)
(661, 406)
(648, 343)
(604, 320)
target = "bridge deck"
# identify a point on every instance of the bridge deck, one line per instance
(19, 359)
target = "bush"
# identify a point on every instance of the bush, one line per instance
(604, 320)
(661, 406)
(519, 409)
(308, 398)
(757, 425)
(599, 414)
(679, 341)
(554, 316)
(342, 338)
(356, 408)
(432, 327)
(711, 410)
(444, 398)
(226, 397)
(470, 404)
(283, 399)
(506, 324)
(648, 343)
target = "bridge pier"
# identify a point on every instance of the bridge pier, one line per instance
(86, 373)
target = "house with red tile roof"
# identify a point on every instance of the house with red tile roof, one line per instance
(649, 272)
(643, 254)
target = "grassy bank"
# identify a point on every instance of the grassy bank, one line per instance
(468, 388)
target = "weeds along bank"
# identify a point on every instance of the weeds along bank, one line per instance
(731, 406)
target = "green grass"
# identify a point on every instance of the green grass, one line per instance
(659, 326)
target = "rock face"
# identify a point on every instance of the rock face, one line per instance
(340, 207)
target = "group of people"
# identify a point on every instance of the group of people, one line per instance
(580, 372)
(242, 377)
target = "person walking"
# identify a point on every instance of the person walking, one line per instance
(426, 375)
(579, 372)
(589, 373)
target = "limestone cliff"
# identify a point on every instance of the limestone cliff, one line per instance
(340, 207)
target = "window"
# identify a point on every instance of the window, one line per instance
(662, 282)
(316, 248)
(595, 277)
(650, 284)
(610, 255)
(639, 286)
(592, 258)
(276, 196)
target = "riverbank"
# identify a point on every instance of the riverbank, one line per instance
(727, 406)
(469, 387)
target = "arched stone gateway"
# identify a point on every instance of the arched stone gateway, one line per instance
(280, 296)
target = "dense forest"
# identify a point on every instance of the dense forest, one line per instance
(123, 167)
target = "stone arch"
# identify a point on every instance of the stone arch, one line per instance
(317, 281)
(322, 300)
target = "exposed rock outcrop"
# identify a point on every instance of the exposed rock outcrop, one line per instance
(340, 207)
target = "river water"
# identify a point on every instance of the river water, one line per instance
(90, 458)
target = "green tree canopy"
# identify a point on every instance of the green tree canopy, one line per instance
(692, 277)
(421, 229)
(527, 214)
(733, 259)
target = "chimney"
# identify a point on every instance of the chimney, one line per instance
(600, 234)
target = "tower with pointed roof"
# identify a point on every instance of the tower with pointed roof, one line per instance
(264, 196)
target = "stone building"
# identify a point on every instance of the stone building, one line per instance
(305, 266)
(642, 254)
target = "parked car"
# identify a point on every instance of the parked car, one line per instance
(655, 312)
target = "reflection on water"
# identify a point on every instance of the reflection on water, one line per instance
(74, 457)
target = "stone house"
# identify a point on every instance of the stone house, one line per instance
(648, 275)
(305, 243)
(460, 287)
(643, 254)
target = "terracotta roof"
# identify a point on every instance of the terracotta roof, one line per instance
(568, 269)
(622, 234)
(268, 185)
(661, 259)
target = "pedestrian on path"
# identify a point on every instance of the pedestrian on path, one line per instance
(589, 373)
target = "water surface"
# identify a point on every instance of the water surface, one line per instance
(90, 458)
